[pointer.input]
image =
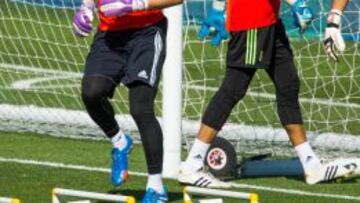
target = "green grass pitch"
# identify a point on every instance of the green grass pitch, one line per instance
(41, 37)
(34, 183)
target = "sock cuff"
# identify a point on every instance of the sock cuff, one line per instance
(155, 175)
(304, 150)
(303, 146)
(200, 147)
(117, 136)
(155, 182)
(200, 143)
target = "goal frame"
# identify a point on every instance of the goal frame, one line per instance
(172, 93)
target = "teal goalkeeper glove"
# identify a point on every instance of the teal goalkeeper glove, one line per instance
(302, 14)
(215, 19)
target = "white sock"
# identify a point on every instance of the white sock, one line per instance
(196, 157)
(119, 141)
(307, 157)
(155, 182)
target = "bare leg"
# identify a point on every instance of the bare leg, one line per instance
(232, 89)
(206, 133)
(296, 134)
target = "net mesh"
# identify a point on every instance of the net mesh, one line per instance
(41, 64)
(329, 92)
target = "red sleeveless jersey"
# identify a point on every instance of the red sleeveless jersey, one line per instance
(133, 20)
(251, 14)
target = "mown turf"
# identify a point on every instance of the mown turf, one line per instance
(33, 184)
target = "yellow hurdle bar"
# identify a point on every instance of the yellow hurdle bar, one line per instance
(89, 195)
(188, 190)
(9, 200)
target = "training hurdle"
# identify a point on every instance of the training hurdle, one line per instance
(9, 200)
(57, 192)
(188, 191)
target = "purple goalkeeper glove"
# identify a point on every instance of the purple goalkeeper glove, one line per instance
(83, 18)
(122, 7)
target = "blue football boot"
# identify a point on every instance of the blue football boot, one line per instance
(151, 196)
(119, 168)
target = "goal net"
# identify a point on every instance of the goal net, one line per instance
(41, 64)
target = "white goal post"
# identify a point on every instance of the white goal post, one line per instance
(172, 93)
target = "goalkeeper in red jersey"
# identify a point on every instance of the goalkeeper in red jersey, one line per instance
(258, 41)
(129, 47)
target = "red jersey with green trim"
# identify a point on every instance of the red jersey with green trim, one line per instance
(251, 14)
(134, 20)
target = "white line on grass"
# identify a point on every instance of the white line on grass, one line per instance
(63, 166)
(327, 102)
(296, 192)
(235, 185)
(53, 74)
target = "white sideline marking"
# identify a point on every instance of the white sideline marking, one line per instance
(235, 185)
(27, 84)
(296, 192)
(328, 102)
(38, 70)
(56, 74)
(63, 166)
(52, 75)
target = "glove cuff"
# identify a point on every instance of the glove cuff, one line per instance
(218, 5)
(139, 5)
(299, 4)
(89, 4)
(334, 18)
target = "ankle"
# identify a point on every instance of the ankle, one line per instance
(155, 182)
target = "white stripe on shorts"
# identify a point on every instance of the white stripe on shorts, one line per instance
(158, 44)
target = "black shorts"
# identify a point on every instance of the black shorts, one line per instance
(130, 55)
(259, 48)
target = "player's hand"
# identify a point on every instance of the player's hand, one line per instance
(82, 22)
(333, 40)
(302, 14)
(215, 19)
(121, 7)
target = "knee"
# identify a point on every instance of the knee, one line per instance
(230, 95)
(287, 102)
(141, 99)
(92, 92)
(288, 92)
(140, 110)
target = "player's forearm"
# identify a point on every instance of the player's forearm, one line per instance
(336, 12)
(159, 4)
(122, 7)
(89, 4)
(219, 5)
(291, 2)
(339, 4)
